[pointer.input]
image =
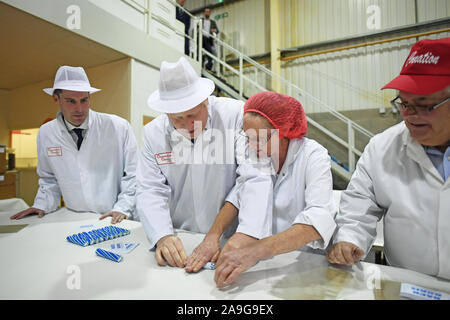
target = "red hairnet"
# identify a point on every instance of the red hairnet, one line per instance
(284, 113)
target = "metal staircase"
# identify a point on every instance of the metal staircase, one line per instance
(344, 138)
(222, 84)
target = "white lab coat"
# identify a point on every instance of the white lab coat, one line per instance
(303, 191)
(395, 178)
(185, 189)
(100, 177)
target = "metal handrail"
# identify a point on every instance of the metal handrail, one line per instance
(349, 145)
(290, 84)
(222, 62)
(351, 125)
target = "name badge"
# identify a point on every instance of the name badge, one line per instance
(164, 158)
(54, 152)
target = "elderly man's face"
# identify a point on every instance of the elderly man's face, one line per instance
(74, 106)
(191, 123)
(431, 129)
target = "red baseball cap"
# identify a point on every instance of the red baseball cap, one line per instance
(427, 68)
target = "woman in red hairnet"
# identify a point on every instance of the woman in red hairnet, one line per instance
(303, 205)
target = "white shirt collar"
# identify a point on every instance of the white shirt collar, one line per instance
(69, 126)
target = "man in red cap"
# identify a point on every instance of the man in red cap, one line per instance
(404, 172)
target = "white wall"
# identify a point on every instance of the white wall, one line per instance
(144, 80)
(433, 9)
(351, 79)
(345, 80)
(133, 12)
(245, 25)
(310, 21)
(123, 11)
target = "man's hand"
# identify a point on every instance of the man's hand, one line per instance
(206, 251)
(169, 249)
(236, 257)
(116, 216)
(233, 262)
(344, 253)
(27, 212)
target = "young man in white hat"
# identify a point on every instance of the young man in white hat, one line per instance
(87, 157)
(404, 172)
(188, 167)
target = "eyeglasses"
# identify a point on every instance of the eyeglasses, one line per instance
(258, 140)
(401, 106)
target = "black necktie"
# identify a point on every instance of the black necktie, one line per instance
(79, 133)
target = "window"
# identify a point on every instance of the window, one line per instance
(24, 144)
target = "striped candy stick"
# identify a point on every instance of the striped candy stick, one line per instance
(87, 238)
(74, 239)
(108, 255)
(94, 236)
(108, 233)
(97, 235)
(103, 234)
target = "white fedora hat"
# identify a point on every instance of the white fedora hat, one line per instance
(73, 79)
(180, 88)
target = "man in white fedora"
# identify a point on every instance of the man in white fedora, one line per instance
(188, 168)
(87, 157)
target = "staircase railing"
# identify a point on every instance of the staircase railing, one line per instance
(245, 86)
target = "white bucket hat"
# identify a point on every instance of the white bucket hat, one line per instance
(73, 79)
(180, 88)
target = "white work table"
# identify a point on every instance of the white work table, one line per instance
(38, 263)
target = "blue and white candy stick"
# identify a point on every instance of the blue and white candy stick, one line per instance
(97, 235)
(103, 234)
(77, 240)
(108, 255)
(88, 238)
(114, 231)
(112, 234)
(80, 240)
(71, 239)
(93, 236)
(124, 232)
(209, 266)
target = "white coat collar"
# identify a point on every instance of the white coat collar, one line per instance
(294, 149)
(65, 125)
(295, 146)
(416, 152)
